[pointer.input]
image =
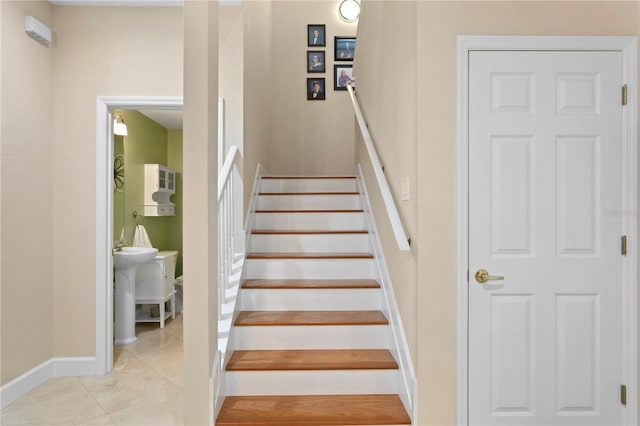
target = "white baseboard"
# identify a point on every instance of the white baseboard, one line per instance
(218, 388)
(54, 367)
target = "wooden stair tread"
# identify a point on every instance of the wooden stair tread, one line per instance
(303, 410)
(315, 359)
(308, 177)
(270, 318)
(306, 231)
(311, 211)
(308, 284)
(311, 193)
(305, 255)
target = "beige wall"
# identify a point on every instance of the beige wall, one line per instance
(98, 51)
(308, 137)
(231, 73)
(257, 90)
(434, 147)
(26, 192)
(391, 116)
(201, 209)
(283, 131)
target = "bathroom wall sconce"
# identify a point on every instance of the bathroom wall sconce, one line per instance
(119, 127)
(349, 10)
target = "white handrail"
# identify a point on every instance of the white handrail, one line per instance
(392, 210)
(224, 174)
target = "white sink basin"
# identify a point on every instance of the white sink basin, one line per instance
(130, 256)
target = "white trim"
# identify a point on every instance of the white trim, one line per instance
(225, 171)
(218, 387)
(74, 366)
(53, 367)
(407, 381)
(221, 130)
(104, 217)
(628, 46)
(249, 222)
(630, 227)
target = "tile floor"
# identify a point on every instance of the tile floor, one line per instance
(144, 388)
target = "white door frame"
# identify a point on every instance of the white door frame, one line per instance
(104, 215)
(628, 46)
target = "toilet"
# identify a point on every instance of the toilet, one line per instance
(179, 293)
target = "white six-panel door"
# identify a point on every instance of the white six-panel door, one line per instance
(545, 196)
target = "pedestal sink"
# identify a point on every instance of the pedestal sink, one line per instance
(125, 263)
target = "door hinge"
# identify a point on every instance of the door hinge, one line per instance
(623, 394)
(624, 94)
(623, 245)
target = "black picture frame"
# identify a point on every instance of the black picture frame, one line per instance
(337, 73)
(344, 48)
(311, 82)
(319, 40)
(316, 61)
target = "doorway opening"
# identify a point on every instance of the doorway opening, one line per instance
(104, 214)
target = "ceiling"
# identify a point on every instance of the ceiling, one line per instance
(167, 118)
(134, 3)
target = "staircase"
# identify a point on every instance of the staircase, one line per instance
(310, 344)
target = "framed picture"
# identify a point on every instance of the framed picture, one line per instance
(316, 35)
(345, 48)
(343, 74)
(315, 61)
(315, 89)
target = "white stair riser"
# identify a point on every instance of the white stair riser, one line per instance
(313, 382)
(308, 202)
(310, 221)
(310, 269)
(311, 243)
(311, 337)
(310, 300)
(308, 185)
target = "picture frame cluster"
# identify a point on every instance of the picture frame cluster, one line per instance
(316, 62)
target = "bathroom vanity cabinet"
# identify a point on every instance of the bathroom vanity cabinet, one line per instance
(155, 286)
(159, 186)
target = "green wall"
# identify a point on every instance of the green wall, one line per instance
(118, 196)
(150, 143)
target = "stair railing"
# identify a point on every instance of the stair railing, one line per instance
(387, 197)
(229, 227)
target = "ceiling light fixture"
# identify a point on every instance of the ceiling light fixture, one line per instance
(119, 127)
(349, 10)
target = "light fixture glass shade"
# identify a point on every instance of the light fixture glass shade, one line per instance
(119, 127)
(349, 10)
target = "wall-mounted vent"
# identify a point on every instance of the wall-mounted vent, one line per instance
(37, 30)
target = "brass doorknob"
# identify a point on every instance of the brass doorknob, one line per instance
(483, 276)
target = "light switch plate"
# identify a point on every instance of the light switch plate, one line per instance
(406, 192)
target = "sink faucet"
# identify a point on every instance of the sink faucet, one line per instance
(120, 244)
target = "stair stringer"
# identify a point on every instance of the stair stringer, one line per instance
(407, 386)
(225, 329)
